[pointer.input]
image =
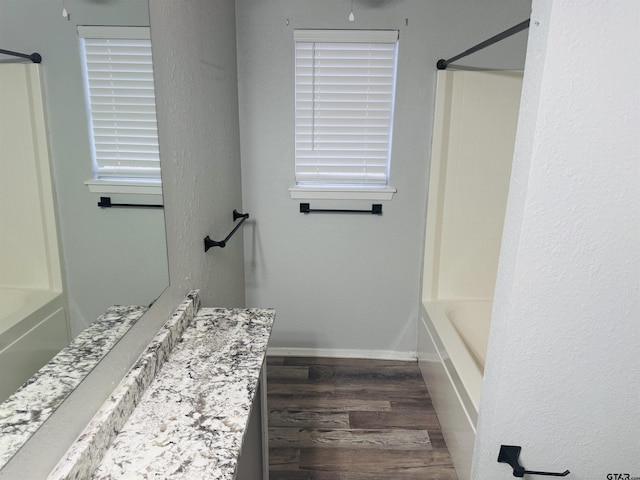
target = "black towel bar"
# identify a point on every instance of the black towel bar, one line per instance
(376, 209)
(105, 202)
(208, 243)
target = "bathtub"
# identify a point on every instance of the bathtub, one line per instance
(452, 347)
(33, 328)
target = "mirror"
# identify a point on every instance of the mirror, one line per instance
(109, 256)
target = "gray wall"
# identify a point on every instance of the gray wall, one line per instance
(340, 281)
(111, 256)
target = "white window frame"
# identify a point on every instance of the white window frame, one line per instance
(106, 183)
(307, 188)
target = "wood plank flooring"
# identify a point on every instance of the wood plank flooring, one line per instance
(352, 419)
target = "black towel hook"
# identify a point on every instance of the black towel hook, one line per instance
(511, 453)
(208, 243)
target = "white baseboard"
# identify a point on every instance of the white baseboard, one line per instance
(340, 353)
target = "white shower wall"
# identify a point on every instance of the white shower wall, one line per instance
(33, 320)
(476, 128)
(474, 132)
(29, 254)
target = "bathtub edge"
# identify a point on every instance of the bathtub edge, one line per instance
(447, 392)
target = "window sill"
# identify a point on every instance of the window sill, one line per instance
(138, 187)
(342, 193)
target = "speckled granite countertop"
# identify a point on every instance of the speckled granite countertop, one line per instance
(28, 408)
(191, 419)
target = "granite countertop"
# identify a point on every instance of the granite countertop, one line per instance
(191, 421)
(183, 408)
(32, 404)
(86, 453)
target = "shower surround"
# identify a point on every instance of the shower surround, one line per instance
(475, 124)
(33, 318)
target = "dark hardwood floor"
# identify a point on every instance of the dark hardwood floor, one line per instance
(352, 419)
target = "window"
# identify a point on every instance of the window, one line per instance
(344, 95)
(121, 101)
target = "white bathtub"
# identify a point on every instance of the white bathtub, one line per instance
(33, 328)
(452, 346)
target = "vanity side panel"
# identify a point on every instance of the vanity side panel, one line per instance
(250, 462)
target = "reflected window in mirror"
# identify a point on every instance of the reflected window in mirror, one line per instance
(118, 73)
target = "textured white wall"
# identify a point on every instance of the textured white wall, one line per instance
(561, 378)
(196, 80)
(347, 281)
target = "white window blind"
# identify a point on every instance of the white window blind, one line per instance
(344, 95)
(121, 97)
